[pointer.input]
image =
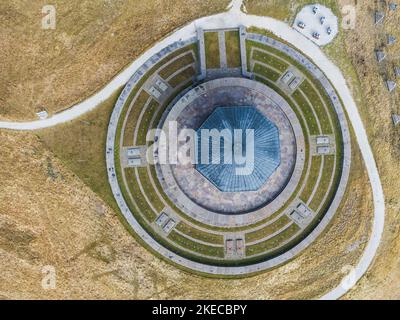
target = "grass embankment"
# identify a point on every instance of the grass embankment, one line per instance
(141, 100)
(312, 178)
(318, 106)
(273, 242)
(145, 123)
(307, 111)
(262, 56)
(199, 234)
(267, 230)
(81, 145)
(266, 72)
(212, 50)
(232, 45)
(182, 77)
(176, 65)
(323, 187)
(196, 246)
(144, 209)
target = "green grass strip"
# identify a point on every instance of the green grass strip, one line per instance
(145, 123)
(312, 178)
(133, 118)
(179, 63)
(324, 183)
(318, 106)
(232, 45)
(149, 189)
(199, 234)
(212, 50)
(333, 189)
(182, 77)
(196, 246)
(273, 242)
(270, 60)
(307, 111)
(268, 230)
(266, 72)
(137, 195)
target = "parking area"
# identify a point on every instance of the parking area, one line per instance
(317, 23)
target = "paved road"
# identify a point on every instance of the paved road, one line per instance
(235, 18)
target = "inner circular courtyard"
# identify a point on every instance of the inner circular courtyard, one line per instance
(201, 197)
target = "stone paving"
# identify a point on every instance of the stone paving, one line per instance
(202, 54)
(243, 52)
(222, 49)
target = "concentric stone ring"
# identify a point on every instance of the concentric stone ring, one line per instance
(202, 217)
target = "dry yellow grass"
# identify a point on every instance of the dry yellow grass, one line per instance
(376, 106)
(281, 9)
(93, 41)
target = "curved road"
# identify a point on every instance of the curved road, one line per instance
(233, 18)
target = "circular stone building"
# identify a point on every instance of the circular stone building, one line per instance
(228, 158)
(256, 136)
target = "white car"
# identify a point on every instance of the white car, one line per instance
(301, 25)
(322, 20)
(315, 10)
(329, 30)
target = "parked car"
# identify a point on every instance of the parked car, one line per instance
(301, 25)
(322, 20)
(315, 9)
(329, 30)
(316, 35)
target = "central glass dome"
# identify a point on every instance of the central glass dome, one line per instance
(238, 149)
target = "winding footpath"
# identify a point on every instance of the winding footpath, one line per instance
(234, 18)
